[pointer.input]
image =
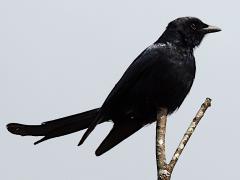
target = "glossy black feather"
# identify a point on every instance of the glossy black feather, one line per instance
(161, 76)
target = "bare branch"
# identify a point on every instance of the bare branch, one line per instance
(160, 142)
(164, 169)
(190, 131)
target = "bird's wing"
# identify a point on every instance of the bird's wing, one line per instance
(145, 61)
(141, 64)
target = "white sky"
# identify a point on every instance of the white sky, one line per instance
(60, 57)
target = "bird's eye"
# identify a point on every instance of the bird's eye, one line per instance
(193, 26)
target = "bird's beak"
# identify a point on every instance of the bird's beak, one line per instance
(211, 29)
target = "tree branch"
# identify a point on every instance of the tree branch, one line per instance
(160, 142)
(165, 169)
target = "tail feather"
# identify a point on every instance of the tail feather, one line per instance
(55, 128)
(26, 130)
(119, 132)
(70, 124)
(92, 126)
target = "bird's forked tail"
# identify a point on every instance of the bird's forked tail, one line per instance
(55, 128)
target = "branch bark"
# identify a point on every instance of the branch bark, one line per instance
(164, 169)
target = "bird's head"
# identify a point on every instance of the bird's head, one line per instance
(187, 31)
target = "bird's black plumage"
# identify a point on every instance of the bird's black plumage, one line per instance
(161, 76)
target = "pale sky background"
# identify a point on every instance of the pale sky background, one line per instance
(58, 58)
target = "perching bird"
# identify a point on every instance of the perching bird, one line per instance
(161, 76)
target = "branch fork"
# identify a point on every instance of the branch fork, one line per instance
(164, 169)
